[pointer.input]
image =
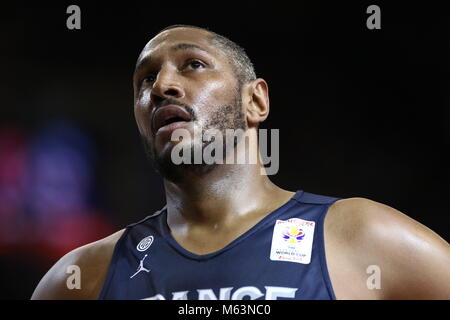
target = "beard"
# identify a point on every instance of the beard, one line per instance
(229, 116)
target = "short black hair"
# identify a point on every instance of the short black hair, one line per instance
(236, 55)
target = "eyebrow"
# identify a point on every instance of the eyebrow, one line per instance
(187, 46)
(177, 47)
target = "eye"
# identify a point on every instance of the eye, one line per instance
(195, 64)
(149, 78)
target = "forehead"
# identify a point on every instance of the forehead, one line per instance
(169, 38)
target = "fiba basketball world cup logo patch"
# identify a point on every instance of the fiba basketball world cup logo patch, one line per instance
(292, 241)
(145, 244)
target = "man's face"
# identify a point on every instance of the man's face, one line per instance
(182, 80)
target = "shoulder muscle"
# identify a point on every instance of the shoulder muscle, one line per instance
(412, 259)
(92, 260)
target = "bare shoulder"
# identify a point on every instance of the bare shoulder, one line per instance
(92, 260)
(363, 235)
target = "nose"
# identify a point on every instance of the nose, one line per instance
(166, 86)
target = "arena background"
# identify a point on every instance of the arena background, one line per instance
(361, 113)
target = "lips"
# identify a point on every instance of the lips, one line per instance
(168, 115)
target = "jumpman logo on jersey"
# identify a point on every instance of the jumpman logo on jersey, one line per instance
(141, 267)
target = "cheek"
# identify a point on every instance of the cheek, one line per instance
(212, 95)
(142, 112)
(144, 99)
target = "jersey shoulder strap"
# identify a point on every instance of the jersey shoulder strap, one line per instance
(311, 198)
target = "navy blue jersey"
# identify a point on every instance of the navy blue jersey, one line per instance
(281, 257)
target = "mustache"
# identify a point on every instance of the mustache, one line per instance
(186, 107)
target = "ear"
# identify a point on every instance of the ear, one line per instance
(257, 102)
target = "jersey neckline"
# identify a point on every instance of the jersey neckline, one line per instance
(166, 232)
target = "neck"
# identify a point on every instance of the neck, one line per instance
(224, 195)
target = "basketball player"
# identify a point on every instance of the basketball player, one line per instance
(227, 232)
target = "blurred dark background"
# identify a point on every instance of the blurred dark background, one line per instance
(361, 113)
